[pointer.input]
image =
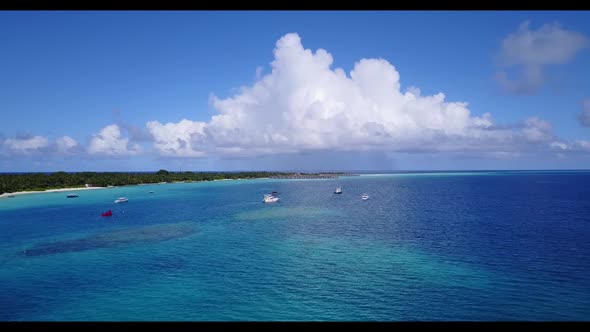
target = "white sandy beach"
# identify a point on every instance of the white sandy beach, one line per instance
(5, 195)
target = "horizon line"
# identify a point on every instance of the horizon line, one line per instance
(313, 171)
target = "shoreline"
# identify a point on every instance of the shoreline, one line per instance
(6, 195)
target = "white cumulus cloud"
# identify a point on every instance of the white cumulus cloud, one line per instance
(65, 144)
(177, 139)
(581, 146)
(529, 51)
(537, 130)
(109, 141)
(26, 144)
(305, 105)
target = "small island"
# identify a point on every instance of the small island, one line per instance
(29, 182)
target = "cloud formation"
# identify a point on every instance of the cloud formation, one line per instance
(177, 139)
(66, 144)
(109, 141)
(26, 144)
(529, 51)
(305, 105)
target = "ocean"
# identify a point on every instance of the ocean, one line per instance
(451, 246)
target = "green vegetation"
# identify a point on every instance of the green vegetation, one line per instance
(10, 183)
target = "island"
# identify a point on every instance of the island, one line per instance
(25, 182)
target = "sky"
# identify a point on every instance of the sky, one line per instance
(294, 90)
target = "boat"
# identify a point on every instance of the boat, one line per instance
(151, 192)
(365, 197)
(338, 190)
(269, 198)
(121, 200)
(72, 195)
(109, 213)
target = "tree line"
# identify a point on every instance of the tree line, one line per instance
(10, 183)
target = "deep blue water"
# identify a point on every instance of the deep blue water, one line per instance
(426, 246)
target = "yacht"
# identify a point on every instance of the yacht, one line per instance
(121, 200)
(338, 190)
(269, 198)
(365, 197)
(72, 195)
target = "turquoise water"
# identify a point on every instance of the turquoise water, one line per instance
(432, 246)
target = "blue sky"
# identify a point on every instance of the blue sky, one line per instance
(99, 78)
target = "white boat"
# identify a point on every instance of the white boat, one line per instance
(338, 190)
(121, 200)
(365, 197)
(72, 195)
(268, 198)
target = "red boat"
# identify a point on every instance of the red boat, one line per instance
(107, 214)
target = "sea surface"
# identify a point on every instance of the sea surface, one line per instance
(473, 246)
